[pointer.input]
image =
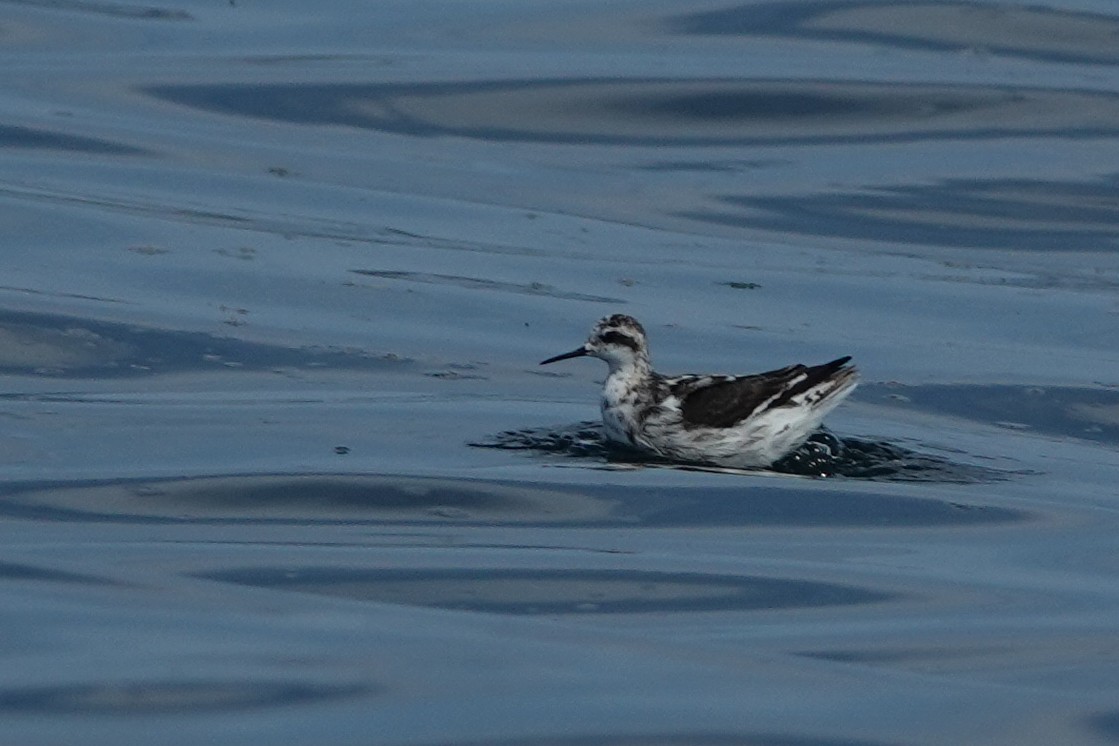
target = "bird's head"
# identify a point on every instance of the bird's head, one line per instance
(618, 339)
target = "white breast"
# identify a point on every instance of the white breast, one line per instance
(619, 412)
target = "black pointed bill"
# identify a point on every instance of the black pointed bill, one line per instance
(580, 352)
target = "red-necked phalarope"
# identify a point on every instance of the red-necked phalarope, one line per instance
(737, 421)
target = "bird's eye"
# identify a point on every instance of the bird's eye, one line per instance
(620, 338)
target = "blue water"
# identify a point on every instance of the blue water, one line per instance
(279, 465)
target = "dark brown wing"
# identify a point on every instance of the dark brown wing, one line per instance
(725, 403)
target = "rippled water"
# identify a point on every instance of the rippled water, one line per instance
(279, 465)
(822, 455)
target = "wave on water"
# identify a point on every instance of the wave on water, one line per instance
(824, 454)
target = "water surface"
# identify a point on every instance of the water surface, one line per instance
(272, 274)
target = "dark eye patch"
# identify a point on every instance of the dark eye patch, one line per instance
(620, 339)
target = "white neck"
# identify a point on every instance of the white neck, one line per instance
(628, 366)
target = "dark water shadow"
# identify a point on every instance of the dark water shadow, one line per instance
(1029, 214)
(113, 10)
(169, 697)
(671, 739)
(14, 571)
(823, 455)
(26, 138)
(655, 112)
(331, 499)
(1031, 32)
(1105, 725)
(1090, 414)
(487, 285)
(912, 658)
(64, 346)
(308, 499)
(702, 738)
(547, 591)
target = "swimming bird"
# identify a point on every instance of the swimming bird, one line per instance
(744, 421)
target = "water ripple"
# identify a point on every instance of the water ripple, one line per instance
(658, 112)
(479, 283)
(823, 455)
(1034, 33)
